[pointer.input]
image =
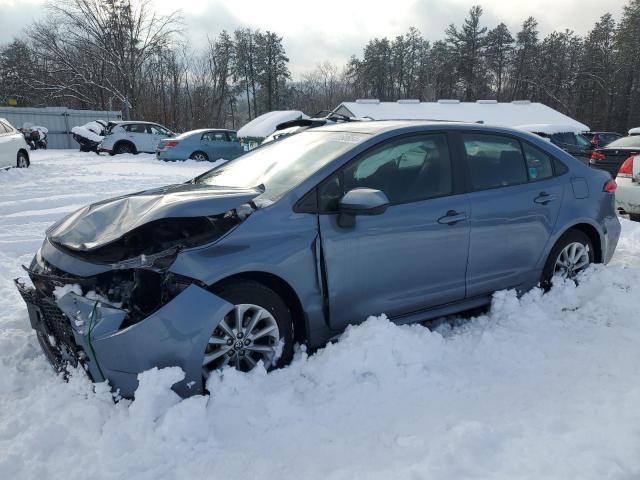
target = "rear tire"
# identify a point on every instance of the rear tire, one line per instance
(199, 157)
(571, 254)
(266, 331)
(23, 160)
(124, 147)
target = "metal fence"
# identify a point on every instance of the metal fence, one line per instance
(58, 120)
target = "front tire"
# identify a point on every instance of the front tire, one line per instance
(571, 254)
(23, 160)
(259, 328)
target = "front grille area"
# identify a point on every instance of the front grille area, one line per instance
(54, 330)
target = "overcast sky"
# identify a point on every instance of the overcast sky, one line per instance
(314, 31)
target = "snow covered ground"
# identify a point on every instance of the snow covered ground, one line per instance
(542, 387)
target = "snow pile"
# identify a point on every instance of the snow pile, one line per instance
(265, 125)
(540, 387)
(549, 129)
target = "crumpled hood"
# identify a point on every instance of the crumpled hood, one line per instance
(101, 223)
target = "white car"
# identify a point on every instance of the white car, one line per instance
(133, 137)
(628, 191)
(13, 147)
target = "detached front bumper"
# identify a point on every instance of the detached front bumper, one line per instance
(78, 330)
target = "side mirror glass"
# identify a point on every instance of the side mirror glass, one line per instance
(361, 201)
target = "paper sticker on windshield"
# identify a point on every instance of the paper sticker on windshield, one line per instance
(348, 138)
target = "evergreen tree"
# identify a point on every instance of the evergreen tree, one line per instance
(467, 46)
(524, 67)
(499, 48)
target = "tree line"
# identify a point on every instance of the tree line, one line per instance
(120, 54)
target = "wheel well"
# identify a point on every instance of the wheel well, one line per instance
(121, 142)
(282, 288)
(594, 236)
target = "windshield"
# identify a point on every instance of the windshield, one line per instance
(625, 142)
(281, 165)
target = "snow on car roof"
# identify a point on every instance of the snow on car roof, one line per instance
(489, 112)
(549, 128)
(265, 125)
(634, 131)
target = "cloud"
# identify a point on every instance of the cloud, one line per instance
(336, 29)
(16, 17)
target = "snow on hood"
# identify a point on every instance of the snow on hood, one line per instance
(265, 125)
(104, 222)
(86, 133)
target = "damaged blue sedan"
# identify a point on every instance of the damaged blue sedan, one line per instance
(296, 240)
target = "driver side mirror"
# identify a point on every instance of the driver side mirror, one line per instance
(361, 201)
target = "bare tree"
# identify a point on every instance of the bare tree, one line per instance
(91, 46)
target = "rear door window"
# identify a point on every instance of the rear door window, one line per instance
(158, 130)
(215, 136)
(135, 128)
(494, 161)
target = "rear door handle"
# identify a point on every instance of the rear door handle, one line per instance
(544, 198)
(452, 217)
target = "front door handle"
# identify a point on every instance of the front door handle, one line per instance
(544, 198)
(452, 217)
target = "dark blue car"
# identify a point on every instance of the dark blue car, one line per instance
(298, 239)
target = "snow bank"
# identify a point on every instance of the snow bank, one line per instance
(540, 387)
(549, 129)
(265, 125)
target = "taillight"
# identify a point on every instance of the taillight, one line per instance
(626, 169)
(598, 156)
(170, 144)
(610, 186)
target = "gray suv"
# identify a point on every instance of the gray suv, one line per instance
(298, 239)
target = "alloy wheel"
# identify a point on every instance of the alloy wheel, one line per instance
(199, 157)
(572, 259)
(246, 335)
(22, 161)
